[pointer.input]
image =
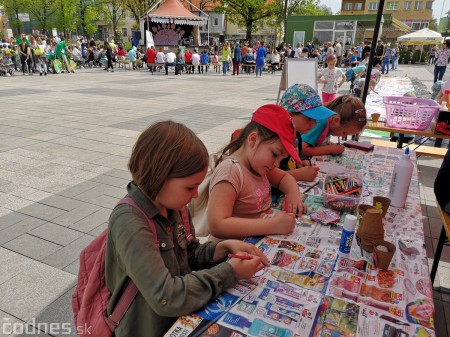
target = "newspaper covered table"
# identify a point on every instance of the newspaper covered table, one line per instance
(387, 86)
(312, 290)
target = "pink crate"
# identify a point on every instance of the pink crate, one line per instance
(410, 112)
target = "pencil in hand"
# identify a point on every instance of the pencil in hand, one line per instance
(242, 257)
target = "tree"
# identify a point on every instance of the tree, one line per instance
(42, 12)
(202, 5)
(137, 8)
(114, 14)
(433, 24)
(247, 13)
(12, 9)
(286, 8)
(66, 16)
(89, 12)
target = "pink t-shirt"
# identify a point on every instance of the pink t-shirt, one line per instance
(254, 198)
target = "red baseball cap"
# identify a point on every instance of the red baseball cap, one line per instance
(278, 120)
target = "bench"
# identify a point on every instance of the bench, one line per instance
(422, 150)
(153, 66)
(248, 68)
(443, 240)
(125, 63)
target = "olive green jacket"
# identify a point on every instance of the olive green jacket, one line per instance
(167, 285)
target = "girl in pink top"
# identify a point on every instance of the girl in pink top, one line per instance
(240, 186)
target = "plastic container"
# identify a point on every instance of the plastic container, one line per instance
(343, 191)
(347, 233)
(410, 112)
(447, 98)
(401, 179)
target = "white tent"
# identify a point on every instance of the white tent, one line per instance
(421, 37)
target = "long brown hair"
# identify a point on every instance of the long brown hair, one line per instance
(350, 109)
(163, 151)
(264, 133)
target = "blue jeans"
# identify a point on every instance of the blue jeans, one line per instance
(385, 66)
(439, 72)
(224, 67)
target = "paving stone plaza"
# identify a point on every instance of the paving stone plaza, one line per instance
(64, 145)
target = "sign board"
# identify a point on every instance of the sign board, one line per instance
(24, 17)
(297, 70)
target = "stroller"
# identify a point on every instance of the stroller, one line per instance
(350, 76)
(7, 65)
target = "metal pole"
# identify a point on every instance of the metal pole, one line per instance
(372, 50)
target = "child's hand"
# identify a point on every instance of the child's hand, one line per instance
(309, 173)
(245, 269)
(284, 222)
(336, 148)
(236, 246)
(295, 204)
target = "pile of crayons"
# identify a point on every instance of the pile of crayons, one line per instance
(342, 193)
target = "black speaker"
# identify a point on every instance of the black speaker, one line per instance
(221, 38)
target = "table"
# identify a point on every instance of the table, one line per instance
(311, 290)
(381, 126)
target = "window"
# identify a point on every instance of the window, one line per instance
(373, 6)
(418, 5)
(358, 6)
(415, 25)
(323, 25)
(392, 5)
(344, 25)
(407, 5)
(429, 5)
(216, 21)
(348, 6)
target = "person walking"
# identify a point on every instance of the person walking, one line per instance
(237, 59)
(440, 66)
(109, 55)
(260, 58)
(226, 56)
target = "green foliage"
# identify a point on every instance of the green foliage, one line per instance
(114, 14)
(88, 13)
(66, 18)
(138, 8)
(127, 46)
(12, 9)
(43, 13)
(415, 56)
(247, 13)
(405, 57)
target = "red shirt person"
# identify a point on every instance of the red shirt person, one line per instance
(150, 55)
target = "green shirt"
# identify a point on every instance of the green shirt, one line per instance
(60, 48)
(167, 286)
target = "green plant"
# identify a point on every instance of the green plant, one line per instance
(405, 57)
(415, 56)
(128, 46)
(424, 57)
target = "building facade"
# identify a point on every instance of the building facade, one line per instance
(416, 14)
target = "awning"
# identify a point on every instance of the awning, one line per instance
(400, 26)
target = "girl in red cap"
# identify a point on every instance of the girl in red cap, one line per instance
(240, 187)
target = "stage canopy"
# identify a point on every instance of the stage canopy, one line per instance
(421, 37)
(173, 11)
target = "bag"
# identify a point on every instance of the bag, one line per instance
(38, 52)
(200, 212)
(91, 296)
